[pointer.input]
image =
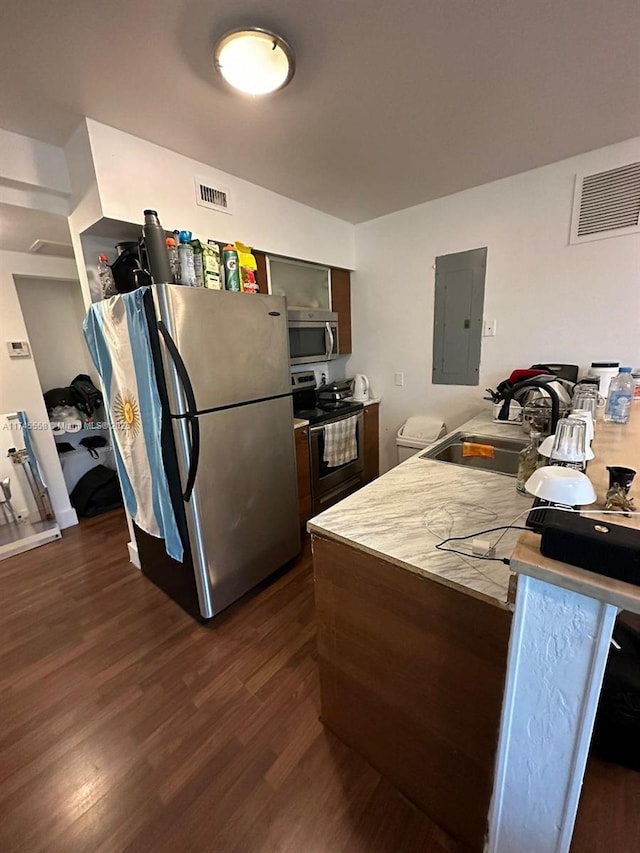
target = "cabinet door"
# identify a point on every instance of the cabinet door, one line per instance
(261, 272)
(341, 303)
(304, 285)
(304, 473)
(371, 442)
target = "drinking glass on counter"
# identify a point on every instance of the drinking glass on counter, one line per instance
(569, 446)
(586, 416)
(586, 399)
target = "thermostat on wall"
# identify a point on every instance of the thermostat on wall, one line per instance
(18, 349)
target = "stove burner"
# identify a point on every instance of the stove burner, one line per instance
(325, 412)
(333, 405)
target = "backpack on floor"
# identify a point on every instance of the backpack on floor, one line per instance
(96, 491)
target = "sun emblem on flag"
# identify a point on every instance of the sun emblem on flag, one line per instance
(127, 413)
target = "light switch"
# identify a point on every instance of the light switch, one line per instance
(398, 378)
(489, 329)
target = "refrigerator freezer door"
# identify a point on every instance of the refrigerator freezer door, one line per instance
(234, 346)
(243, 513)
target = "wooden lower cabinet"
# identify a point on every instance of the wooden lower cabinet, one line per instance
(303, 469)
(412, 677)
(371, 428)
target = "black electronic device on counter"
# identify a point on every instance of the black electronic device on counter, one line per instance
(598, 546)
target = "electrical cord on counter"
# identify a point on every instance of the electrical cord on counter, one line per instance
(432, 522)
(512, 526)
(505, 527)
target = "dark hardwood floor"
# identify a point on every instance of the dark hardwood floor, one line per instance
(126, 726)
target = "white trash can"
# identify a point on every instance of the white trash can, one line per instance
(417, 432)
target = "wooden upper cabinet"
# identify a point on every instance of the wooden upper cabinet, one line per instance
(261, 261)
(299, 292)
(341, 303)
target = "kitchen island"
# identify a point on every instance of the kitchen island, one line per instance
(413, 641)
(419, 672)
(404, 514)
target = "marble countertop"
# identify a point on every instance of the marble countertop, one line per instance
(613, 444)
(368, 402)
(402, 515)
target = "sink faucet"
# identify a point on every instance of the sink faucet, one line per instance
(503, 415)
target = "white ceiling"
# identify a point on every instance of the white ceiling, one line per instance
(392, 104)
(20, 227)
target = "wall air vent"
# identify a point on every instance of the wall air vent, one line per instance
(606, 204)
(215, 198)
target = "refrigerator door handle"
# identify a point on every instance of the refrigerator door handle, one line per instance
(194, 457)
(190, 415)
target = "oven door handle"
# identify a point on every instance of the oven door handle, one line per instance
(328, 339)
(316, 429)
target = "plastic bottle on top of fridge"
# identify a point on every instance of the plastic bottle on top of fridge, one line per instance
(105, 275)
(174, 260)
(620, 397)
(187, 268)
(231, 271)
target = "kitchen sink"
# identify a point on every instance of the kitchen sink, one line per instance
(503, 461)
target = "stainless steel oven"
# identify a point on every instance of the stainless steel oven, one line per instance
(330, 485)
(313, 335)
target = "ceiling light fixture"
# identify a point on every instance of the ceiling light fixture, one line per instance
(254, 61)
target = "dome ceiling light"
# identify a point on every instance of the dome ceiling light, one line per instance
(254, 61)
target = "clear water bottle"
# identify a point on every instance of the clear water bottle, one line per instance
(620, 397)
(174, 259)
(187, 265)
(105, 275)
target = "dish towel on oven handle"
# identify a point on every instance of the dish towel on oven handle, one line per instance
(340, 445)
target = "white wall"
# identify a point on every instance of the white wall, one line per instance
(133, 174)
(53, 312)
(33, 174)
(552, 301)
(19, 383)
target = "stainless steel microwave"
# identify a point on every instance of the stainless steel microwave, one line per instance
(313, 335)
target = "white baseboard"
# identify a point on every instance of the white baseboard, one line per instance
(134, 557)
(66, 517)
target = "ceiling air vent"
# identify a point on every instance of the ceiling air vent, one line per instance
(215, 198)
(606, 204)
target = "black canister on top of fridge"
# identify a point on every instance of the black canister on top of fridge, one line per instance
(127, 270)
(155, 243)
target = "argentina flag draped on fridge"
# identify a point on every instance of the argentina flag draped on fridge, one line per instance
(117, 336)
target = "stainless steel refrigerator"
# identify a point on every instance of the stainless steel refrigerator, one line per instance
(222, 364)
